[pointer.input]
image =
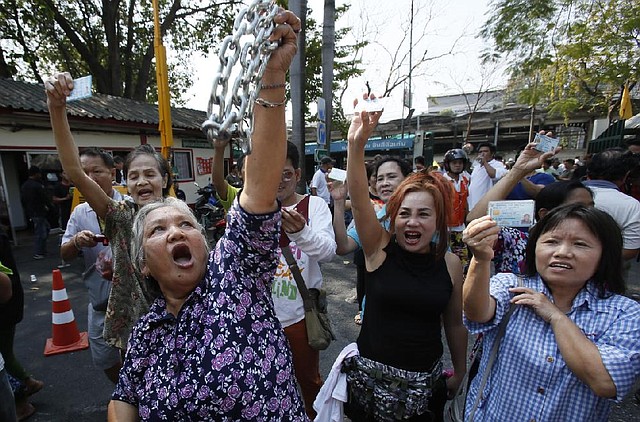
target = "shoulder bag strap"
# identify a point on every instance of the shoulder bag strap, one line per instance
(293, 266)
(494, 354)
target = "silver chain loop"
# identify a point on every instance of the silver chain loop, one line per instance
(230, 110)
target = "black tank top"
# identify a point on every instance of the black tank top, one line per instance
(406, 297)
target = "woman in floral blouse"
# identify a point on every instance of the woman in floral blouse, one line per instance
(211, 347)
(148, 179)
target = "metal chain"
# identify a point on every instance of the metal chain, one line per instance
(229, 110)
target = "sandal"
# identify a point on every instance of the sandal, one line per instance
(358, 319)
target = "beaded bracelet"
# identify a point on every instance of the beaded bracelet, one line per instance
(273, 86)
(269, 104)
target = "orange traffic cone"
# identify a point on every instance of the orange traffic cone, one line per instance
(66, 337)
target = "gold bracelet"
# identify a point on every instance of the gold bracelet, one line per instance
(269, 104)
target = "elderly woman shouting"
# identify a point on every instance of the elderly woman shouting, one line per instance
(211, 347)
(572, 345)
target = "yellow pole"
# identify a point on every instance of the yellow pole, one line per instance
(164, 108)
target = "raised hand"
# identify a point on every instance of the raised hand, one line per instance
(285, 33)
(362, 124)
(531, 159)
(338, 190)
(480, 235)
(58, 87)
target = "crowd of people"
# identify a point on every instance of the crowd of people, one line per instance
(189, 333)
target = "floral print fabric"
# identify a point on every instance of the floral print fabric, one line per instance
(509, 250)
(130, 296)
(225, 356)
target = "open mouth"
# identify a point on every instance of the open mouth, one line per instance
(412, 237)
(181, 255)
(145, 193)
(560, 265)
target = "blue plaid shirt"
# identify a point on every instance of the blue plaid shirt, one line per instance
(530, 380)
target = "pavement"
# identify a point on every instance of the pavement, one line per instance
(76, 390)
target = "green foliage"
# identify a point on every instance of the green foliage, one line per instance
(568, 54)
(112, 40)
(344, 68)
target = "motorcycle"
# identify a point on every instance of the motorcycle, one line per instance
(210, 214)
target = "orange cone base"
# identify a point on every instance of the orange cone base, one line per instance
(51, 349)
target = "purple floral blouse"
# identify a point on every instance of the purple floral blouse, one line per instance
(225, 356)
(509, 250)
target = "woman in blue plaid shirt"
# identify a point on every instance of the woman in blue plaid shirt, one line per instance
(572, 346)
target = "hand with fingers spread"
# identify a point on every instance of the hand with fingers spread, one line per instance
(480, 235)
(540, 303)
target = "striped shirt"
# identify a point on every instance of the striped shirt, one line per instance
(530, 380)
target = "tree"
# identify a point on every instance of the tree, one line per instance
(568, 54)
(347, 64)
(475, 99)
(109, 39)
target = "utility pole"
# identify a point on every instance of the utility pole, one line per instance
(407, 99)
(328, 54)
(299, 7)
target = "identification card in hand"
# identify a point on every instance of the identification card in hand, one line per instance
(81, 88)
(545, 143)
(376, 104)
(512, 213)
(337, 174)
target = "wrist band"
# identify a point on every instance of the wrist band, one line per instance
(75, 242)
(269, 104)
(273, 86)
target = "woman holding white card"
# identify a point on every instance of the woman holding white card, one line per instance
(413, 290)
(572, 344)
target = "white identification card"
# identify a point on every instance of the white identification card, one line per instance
(545, 143)
(376, 104)
(81, 88)
(338, 174)
(512, 213)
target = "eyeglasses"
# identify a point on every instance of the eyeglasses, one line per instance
(287, 175)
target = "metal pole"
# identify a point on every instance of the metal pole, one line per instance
(410, 65)
(328, 54)
(299, 7)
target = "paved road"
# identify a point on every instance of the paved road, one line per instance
(75, 390)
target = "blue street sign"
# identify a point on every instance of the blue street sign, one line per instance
(321, 109)
(322, 133)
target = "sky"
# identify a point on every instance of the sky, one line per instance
(381, 22)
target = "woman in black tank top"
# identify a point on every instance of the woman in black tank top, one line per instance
(413, 284)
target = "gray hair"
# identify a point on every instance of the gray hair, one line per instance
(137, 250)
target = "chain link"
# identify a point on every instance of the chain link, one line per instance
(229, 110)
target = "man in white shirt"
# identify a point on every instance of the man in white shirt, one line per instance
(485, 171)
(319, 181)
(311, 241)
(606, 173)
(80, 235)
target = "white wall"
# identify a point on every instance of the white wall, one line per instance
(32, 141)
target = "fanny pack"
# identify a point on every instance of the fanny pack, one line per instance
(388, 393)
